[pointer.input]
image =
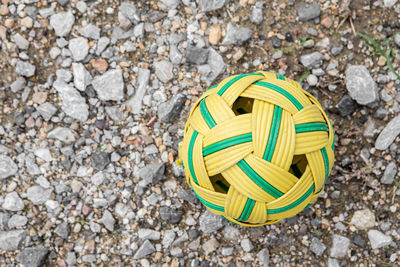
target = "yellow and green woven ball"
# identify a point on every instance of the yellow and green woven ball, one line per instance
(257, 148)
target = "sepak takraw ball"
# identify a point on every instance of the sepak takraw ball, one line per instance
(257, 148)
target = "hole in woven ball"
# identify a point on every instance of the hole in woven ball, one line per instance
(219, 183)
(299, 165)
(243, 105)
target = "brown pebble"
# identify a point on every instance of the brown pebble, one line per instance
(39, 97)
(99, 65)
(381, 61)
(9, 23)
(215, 35)
(4, 10)
(27, 22)
(86, 210)
(327, 22)
(30, 122)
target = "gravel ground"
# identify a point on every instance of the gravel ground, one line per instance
(94, 96)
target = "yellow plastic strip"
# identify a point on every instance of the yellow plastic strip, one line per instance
(261, 125)
(235, 203)
(218, 161)
(247, 187)
(218, 109)
(310, 141)
(198, 164)
(285, 144)
(316, 163)
(235, 126)
(270, 96)
(274, 175)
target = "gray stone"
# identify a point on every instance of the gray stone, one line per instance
(389, 3)
(7, 167)
(145, 249)
(62, 230)
(110, 85)
(108, 220)
(136, 102)
(215, 66)
(17, 221)
(73, 104)
(317, 247)
(11, 240)
(210, 246)
(236, 35)
(54, 52)
(188, 195)
(257, 15)
(389, 174)
(63, 134)
(340, 245)
(102, 43)
(4, 218)
(149, 234)
(32, 256)
(46, 12)
(170, 215)
(163, 70)
(378, 239)
(43, 154)
(172, 4)
(312, 60)
(64, 75)
(89, 258)
(359, 241)
(312, 80)
(79, 48)
(152, 173)
(70, 259)
(169, 237)
(98, 178)
(209, 222)
(196, 55)
(388, 134)
(20, 41)
(46, 110)
(138, 30)
(360, 85)
(308, 11)
(114, 112)
(25, 69)
(13, 202)
(63, 2)
(90, 31)
(62, 23)
(95, 227)
(38, 195)
(100, 160)
(397, 39)
(346, 106)
(129, 11)
(81, 6)
(226, 251)
(363, 219)
(246, 245)
(18, 84)
(118, 33)
(263, 257)
(231, 233)
(211, 5)
(82, 77)
(336, 50)
(169, 111)
(333, 263)
(175, 55)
